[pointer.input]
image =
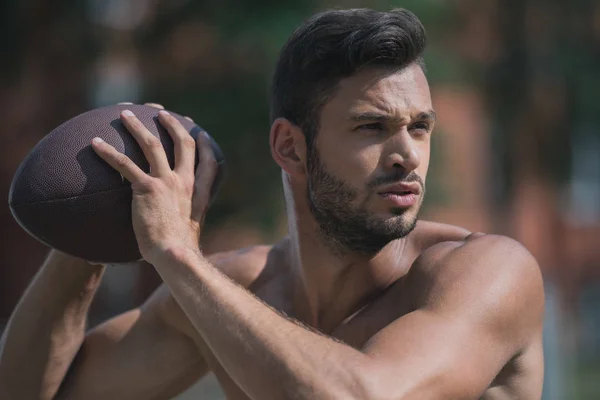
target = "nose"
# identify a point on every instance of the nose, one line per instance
(402, 153)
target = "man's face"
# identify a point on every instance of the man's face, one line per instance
(368, 164)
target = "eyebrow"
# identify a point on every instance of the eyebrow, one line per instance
(380, 117)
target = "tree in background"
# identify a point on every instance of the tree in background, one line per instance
(529, 68)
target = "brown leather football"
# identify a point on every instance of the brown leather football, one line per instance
(67, 197)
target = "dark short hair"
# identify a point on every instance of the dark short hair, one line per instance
(333, 45)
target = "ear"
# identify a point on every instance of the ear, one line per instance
(288, 146)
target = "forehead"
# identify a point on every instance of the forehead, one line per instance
(397, 93)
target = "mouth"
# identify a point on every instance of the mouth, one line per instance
(401, 195)
(401, 189)
(400, 200)
(396, 193)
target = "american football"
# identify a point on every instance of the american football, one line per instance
(67, 197)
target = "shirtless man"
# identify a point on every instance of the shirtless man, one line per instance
(359, 301)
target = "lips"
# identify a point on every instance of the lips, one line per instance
(401, 189)
(400, 200)
(401, 194)
(398, 193)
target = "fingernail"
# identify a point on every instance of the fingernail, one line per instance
(163, 112)
(128, 113)
(97, 140)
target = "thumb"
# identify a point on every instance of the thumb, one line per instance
(206, 172)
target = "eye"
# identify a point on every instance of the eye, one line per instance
(376, 126)
(422, 127)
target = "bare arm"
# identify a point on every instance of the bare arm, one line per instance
(137, 355)
(483, 305)
(126, 356)
(152, 352)
(47, 328)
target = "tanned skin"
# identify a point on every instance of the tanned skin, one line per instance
(441, 313)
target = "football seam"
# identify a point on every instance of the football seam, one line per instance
(70, 197)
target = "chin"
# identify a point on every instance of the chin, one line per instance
(392, 215)
(395, 213)
(395, 226)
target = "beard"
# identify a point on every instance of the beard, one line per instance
(345, 228)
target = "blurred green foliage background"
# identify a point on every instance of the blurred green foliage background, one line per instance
(517, 150)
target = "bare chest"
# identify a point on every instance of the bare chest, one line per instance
(356, 331)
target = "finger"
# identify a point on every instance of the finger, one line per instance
(155, 105)
(205, 175)
(184, 143)
(189, 119)
(123, 103)
(150, 144)
(118, 161)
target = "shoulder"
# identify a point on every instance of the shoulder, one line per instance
(490, 275)
(478, 254)
(243, 266)
(438, 245)
(254, 266)
(249, 267)
(428, 233)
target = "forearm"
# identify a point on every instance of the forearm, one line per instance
(47, 327)
(268, 355)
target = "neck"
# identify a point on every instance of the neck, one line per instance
(331, 285)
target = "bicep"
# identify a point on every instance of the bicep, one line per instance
(480, 306)
(136, 355)
(426, 355)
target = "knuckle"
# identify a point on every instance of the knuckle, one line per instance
(190, 181)
(150, 184)
(152, 142)
(188, 142)
(135, 124)
(169, 120)
(145, 185)
(174, 122)
(189, 187)
(122, 160)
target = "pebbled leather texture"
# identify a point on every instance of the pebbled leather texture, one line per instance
(67, 197)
